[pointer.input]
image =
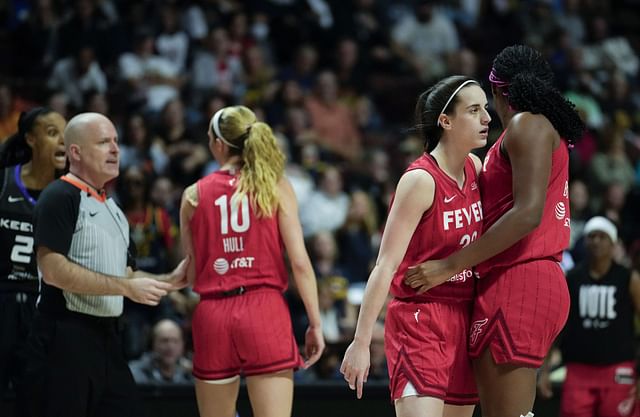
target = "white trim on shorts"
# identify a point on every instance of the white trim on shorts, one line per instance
(409, 391)
(221, 381)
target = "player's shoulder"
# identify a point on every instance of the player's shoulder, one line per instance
(527, 123)
(477, 162)
(418, 176)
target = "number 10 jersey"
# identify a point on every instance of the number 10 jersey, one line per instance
(233, 246)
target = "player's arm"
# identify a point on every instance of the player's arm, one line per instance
(414, 195)
(529, 147)
(303, 274)
(188, 206)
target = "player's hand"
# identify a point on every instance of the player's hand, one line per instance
(355, 366)
(544, 385)
(313, 346)
(147, 291)
(429, 274)
(178, 277)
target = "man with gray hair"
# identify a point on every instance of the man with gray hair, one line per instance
(597, 343)
(86, 267)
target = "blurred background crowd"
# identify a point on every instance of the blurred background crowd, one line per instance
(337, 80)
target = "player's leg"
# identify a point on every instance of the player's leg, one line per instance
(217, 398)
(414, 406)
(505, 390)
(451, 410)
(271, 395)
(462, 393)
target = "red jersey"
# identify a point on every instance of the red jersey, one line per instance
(233, 247)
(453, 221)
(551, 237)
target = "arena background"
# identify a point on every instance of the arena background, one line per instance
(337, 80)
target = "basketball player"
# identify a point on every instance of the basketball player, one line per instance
(235, 222)
(29, 160)
(436, 211)
(522, 299)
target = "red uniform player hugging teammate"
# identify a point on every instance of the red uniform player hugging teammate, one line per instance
(436, 210)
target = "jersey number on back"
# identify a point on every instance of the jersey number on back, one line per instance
(234, 215)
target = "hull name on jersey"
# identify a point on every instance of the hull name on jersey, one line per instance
(232, 244)
(463, 217)
(597, 305)
(16, 225)
(461, 276)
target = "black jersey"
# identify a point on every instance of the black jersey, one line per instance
(600, 328)
(18, 270)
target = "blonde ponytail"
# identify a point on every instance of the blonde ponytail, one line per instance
(263, 167)
(263, 161)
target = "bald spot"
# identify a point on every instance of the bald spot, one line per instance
(80, 127)
(167, 326)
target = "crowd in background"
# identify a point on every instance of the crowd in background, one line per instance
(337, 81)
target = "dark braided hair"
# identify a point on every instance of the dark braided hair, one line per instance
(530, 88)
(431, 104)
(16, 150)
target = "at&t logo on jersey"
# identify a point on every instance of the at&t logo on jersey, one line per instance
(561, 211)
(561, 214)
(222, 266)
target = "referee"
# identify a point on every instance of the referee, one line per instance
(76, 367)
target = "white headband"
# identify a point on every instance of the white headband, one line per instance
(452, 96)
(216, 128)
(601, 224)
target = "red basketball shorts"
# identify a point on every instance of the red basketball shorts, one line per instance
(426, 345)
(599, 391)
(247, 334)
(518, 312)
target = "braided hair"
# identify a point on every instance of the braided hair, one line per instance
(16, 150)
(528, 81)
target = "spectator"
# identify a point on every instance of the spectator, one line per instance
(77, 75)
(172, 43)
(334, 123)
(598, 341)
(327, 207)
(424, 40)
(165, 364)
(215, 69)
(151, 79)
